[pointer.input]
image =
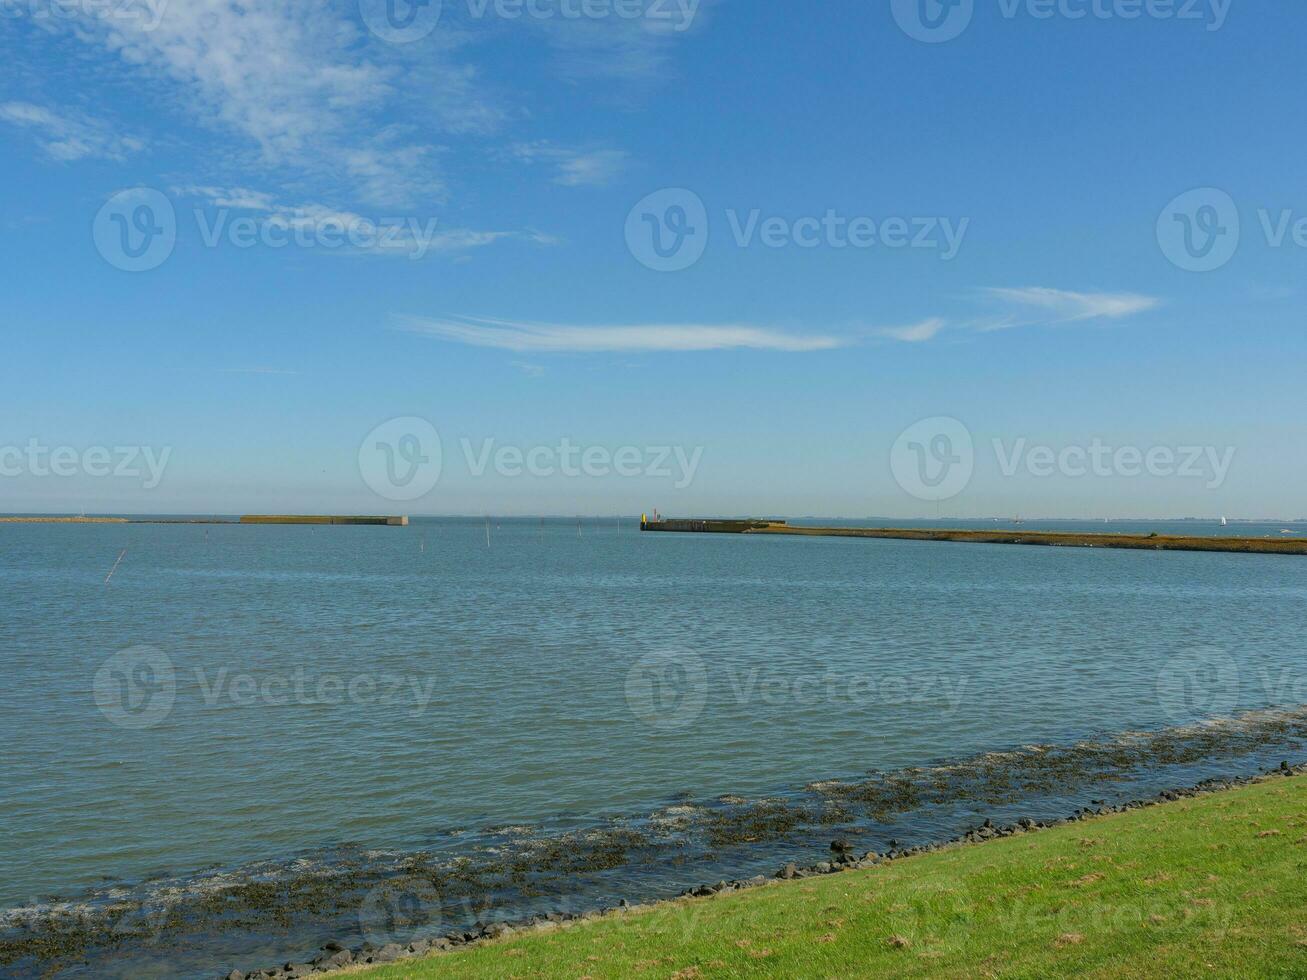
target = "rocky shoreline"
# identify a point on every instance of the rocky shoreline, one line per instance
(378, 904)
(335, 955)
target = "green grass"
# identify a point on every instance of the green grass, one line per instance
(1215, 885)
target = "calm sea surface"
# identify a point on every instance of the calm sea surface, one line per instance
(391, 687)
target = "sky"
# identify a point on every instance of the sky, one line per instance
(901, 258)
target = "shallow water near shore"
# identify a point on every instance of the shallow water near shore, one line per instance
(363, 718)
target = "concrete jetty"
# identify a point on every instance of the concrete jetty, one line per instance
(1057, 539)
(248, 519)
(296, 519)
(64, 520)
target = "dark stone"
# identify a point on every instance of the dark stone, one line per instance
(334, 960)
(790, 870)
(388, 953)
(333, 946)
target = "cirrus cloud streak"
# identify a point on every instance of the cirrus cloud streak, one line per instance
(652, 338)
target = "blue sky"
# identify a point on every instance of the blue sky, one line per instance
(864, 222)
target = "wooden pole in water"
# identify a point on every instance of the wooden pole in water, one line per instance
(115, 566)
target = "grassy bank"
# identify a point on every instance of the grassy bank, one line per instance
(1213, 885)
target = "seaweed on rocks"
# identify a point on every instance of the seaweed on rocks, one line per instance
(471, 879)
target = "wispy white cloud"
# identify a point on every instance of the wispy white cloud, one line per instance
(558, 338)
(574, 167)
(1028, 307)
(1064, 306)
(626, 49)
(915, 332)
(300, 82)
(409, 238)
(69, 135)
(306, 95)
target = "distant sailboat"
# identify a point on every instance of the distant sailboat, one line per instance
(1224, 522)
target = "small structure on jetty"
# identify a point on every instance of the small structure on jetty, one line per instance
(294, 519)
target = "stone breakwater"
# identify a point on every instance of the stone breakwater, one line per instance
(1048, 539)
(466, 882)
(844, 857)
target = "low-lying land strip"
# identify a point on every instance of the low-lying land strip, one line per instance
(248, 519)
(1285, 545)
(63, 520)
(1209, 885)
